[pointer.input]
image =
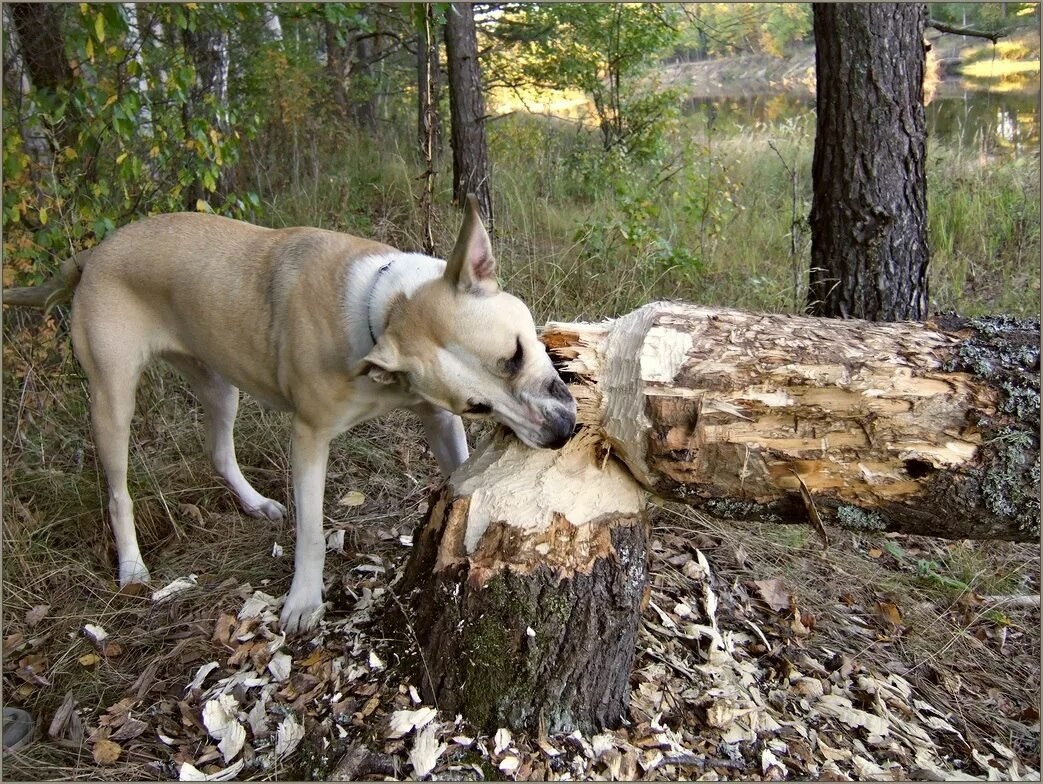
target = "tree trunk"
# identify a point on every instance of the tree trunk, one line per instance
(928, 429)
(427, 114)
(338, 66)
(525, 588)
(869, 250)
(471, 170)
(41, 45)
(206, 47)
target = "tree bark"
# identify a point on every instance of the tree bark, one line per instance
(41, 45)
(869, 249)
(471, 169)
(525, 588)
(928, 429)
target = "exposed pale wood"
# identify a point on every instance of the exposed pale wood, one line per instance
(525, 585)
(923, 428)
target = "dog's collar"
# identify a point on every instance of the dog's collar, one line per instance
(372, 296)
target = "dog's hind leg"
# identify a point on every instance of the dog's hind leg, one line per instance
(220, 401)
(113, 382)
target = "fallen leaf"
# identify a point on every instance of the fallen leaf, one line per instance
(89, 659)
(223, 629)
(288, 736)
(37, 614)
(840, 708)
(111, 649)
(352, 498)
(773, 593)
(12, 643)
(875, 552)
(106, 752)
(889, 612)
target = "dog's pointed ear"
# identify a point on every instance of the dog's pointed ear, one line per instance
(381, 364)
(471, 266)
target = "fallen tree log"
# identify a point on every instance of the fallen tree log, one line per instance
(921, 428)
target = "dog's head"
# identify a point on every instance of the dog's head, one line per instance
(462, 344)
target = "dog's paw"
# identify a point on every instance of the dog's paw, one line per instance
(301, 615)
(267, 509)
(133, 571)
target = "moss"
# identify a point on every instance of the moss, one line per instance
(1004, 352)
(853, 518)
(1005, 488)
(736, 509)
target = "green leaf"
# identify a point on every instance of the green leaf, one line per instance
(99, 27)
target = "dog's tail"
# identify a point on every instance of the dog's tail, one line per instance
(53, 291)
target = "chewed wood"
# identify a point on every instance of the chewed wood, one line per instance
(882, 422)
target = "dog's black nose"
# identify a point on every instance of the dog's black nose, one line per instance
(560, 429)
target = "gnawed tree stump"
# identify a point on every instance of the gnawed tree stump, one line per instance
(525, 588)
(921, 428)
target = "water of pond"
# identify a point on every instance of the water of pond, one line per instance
(993, 122)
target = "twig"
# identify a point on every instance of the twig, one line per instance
(941, 27)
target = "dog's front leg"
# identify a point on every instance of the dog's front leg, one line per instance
(445, 435)
(310, 452)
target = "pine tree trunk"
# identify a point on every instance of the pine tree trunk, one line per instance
(869, 209)
(471, 169)
(525, 587)
(928, 429)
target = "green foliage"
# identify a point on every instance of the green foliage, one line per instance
(117, 143)
(721, 29)
(603, 50)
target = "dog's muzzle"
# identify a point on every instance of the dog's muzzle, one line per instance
(559, 415)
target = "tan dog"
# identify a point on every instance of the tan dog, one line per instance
(332, 328)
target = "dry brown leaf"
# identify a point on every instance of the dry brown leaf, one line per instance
(875, 552)
(193, 511)
(773, 593)
(352, 498)
(12, 643)
(224, 626)
(37, 614)
(106, 752)
(889, 612)
(111, 649)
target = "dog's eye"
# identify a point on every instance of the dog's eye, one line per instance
(512, 365)
(474, 407)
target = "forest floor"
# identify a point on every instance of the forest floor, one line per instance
(762, 655)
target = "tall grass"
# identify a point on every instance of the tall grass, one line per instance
(738, 201)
